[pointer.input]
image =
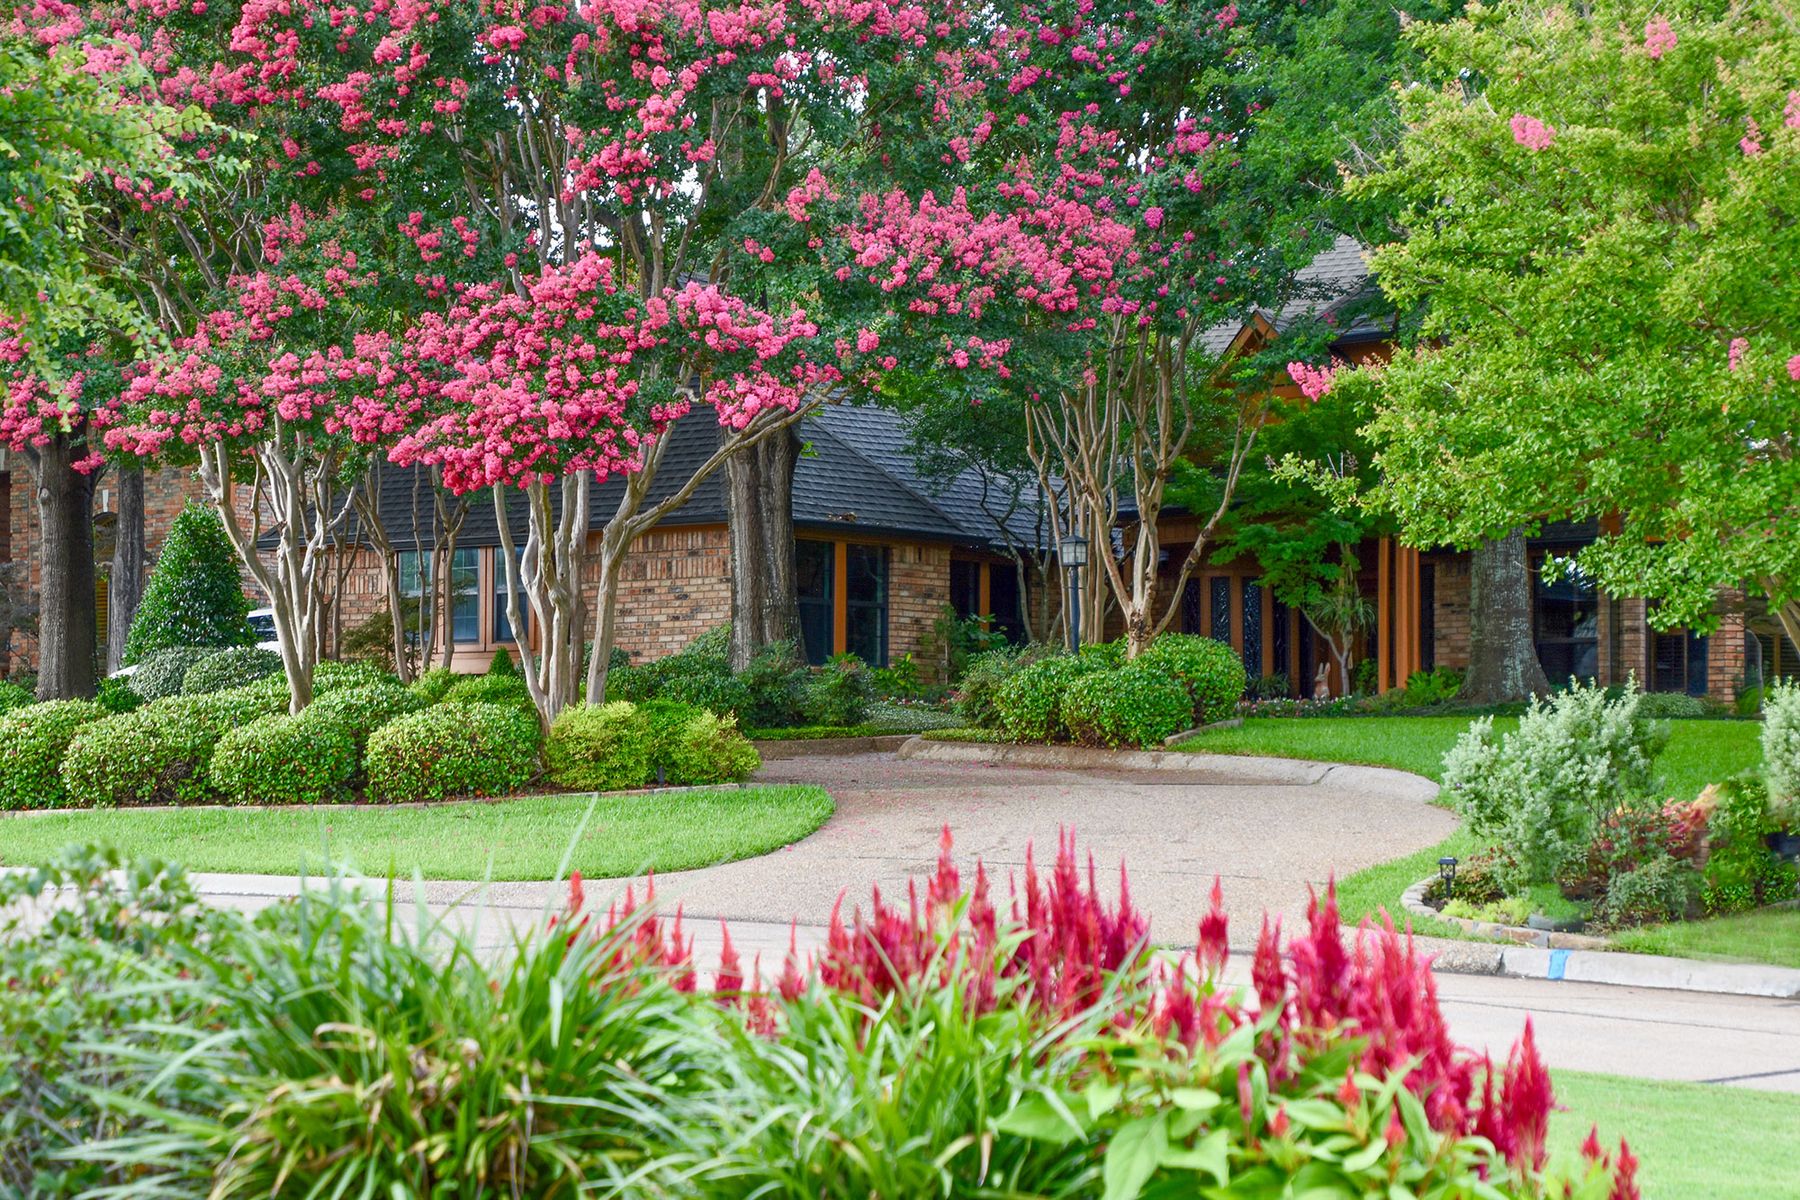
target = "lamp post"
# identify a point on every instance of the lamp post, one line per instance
(1072, 552)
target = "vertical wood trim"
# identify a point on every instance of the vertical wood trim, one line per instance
(1205, 607)
(1384, 618)
(984, 601)
(1302, 687)
(840, 597)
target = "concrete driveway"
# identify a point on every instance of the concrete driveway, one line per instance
(1269, 829)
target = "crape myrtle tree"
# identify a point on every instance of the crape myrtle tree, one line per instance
(1089, 194)
(436, 163)
(1599, 211)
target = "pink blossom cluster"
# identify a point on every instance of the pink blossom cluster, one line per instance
(1314, 382)
(1532, 133)
(1659, 36)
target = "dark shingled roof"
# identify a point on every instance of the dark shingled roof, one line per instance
(1331, 282)
(856, 473)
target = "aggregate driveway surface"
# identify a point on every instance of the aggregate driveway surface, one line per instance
(1267, 841)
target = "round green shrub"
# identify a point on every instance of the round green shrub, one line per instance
(502, 663)
(194, 596)
(492, 689)
(1663, 706)
(1134, 705)
(667, 718)
(1212, 671)
(115, 696)
(162, 672)
(33, 741)
(282, 759)
(709, 749)
(431, 686)
(160, 754)
(714, 689)
(980, 684)
(452, 750)
(839, 694)
(363, 710)
(333, 676)
(775, 682)
(599, 747)
(237, 667)
(1030, 702)
(14, 696)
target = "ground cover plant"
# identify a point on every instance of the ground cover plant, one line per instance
(942, 1047)
(522, 838)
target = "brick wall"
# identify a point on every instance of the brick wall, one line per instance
(918, 590)
(1450, 613)
(676, 585)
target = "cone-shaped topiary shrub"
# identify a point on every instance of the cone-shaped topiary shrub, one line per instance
(195, 596)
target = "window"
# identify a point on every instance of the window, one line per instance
(965, 588)
(866, 613)
(813, 571)
(1279, 622)
(464, 597)
(1678, 662)
(1221, 608)
(502, 624)
(1253, 629)
(1565, 618)
(1428, 616)
(1003, 596)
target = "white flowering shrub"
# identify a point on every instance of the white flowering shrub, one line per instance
(1781, 751)
(1539, 793)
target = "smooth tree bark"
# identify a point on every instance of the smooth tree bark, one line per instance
(759, 488)
(66, 612)
(1503, 661)
(130, 565)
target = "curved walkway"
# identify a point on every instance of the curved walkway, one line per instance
(1268, 829)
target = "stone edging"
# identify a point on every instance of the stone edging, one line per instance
(1413, 901)
(1247, 769)
(782, 748)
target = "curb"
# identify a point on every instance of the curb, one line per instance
(1413, 901)
(1650, 971)
(1242, 769)
(784, 748)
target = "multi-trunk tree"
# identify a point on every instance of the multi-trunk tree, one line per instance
(1598, 209)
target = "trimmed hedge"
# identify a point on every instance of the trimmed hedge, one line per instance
(14, 697)
(600, 747)
(1212, 671)
(160, 754)
(363, 710)
(492, 689)
(162, 672)
(283, 759)
(431, 686)
(237, 667)
(452, 750)
(332, 676)
(1030, 702)
(33, 742)
(1135, 705)
(709, 749)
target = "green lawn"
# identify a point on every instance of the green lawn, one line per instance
(1693, 1139)
(1698, 753)
(503, 840)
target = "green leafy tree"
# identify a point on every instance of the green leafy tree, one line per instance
(1600, 213)
(195, 596)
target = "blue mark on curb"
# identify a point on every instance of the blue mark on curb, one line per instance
(1559, 959)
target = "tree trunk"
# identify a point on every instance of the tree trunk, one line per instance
(129, 566)
(759, 486)
(1503, 662)
(66, 618)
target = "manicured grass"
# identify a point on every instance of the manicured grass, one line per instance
(1692, 1139)
(1770, 935)
(1699, 752)
(503, 840)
